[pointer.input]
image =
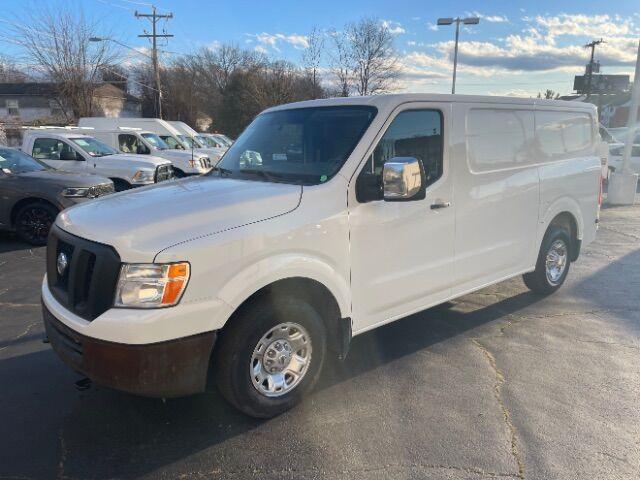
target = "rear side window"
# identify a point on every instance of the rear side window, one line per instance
(53, 149)
(499, 138)
(562, 133)
(128, 143)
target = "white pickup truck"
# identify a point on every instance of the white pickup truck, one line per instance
(173, 139)
(71, 150)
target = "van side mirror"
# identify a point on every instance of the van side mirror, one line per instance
(70, 154)
(403, 179)
(142, 149)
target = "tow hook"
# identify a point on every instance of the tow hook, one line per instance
(83, 384)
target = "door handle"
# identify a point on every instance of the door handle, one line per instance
(438, 205)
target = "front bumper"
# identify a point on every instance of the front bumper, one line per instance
(171, 368)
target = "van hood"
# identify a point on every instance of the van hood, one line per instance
(140, 223)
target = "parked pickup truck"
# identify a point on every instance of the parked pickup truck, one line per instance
(134, 140)
(71, 150)
(325, 219)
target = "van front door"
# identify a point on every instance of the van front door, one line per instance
(403, 252)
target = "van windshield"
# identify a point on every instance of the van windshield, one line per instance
(155, 140)
(303, 145)
(188, 142)
(172, 142)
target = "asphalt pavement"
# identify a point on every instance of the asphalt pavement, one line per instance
(499, 383)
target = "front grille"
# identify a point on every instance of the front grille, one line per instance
(164, 172)
(87, 285)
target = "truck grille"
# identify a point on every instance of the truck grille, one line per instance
(164, 172)
(87, 285)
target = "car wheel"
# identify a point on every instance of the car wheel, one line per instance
(553, 262)
(33, 221)
(270, 356)
(177, 173)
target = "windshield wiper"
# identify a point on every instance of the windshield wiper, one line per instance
(264, 174)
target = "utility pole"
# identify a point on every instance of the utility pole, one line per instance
(591, 65)
(154, 18)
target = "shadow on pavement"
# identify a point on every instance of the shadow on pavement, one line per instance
(105, 434)
(9, 242)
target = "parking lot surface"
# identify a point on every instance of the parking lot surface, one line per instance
(499, 383)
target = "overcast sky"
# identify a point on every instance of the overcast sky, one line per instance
(518, 47)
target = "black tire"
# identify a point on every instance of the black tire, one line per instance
(233, 355)
(538, 281)
(33, 222)
(120, 185)
(177, 173)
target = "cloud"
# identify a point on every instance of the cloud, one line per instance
(490, 18)
(275, 40)
(395, 28)
(261, 49)
(432, 26)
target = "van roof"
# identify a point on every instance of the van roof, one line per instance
(389, 101)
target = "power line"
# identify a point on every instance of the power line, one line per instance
(154, 18)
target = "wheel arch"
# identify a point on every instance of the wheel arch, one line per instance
(308, 278)
(26, 201)
(565, 213)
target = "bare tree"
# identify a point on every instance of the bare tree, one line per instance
(10, 73)
(57, 43)
(375, 65)
(312, 57)
(342, 63)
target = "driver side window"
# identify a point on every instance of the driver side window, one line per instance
(128, 143)
(413, 133)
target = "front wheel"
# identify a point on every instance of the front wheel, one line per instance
(553, 263)
(270, 356)
(33, 222)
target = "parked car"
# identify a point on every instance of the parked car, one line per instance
(32, 194)
(141, 142)
(616, 152)
(324, 220)
(72, 150)
(173, 137)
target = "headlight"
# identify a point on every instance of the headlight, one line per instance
(151, 285)
(143, 176)
(75, 192)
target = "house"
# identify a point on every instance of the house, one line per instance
(38, 103)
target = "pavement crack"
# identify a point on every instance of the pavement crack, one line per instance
(497, 392)
(620, 232)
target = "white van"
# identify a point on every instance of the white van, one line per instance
(135, 140)
(70, 149)
(174, 139)
(324, 220)
(199, 139)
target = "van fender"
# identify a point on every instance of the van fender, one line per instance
(269, 270)
(560, 205)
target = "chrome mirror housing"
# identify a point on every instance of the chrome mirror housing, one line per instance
(402, 179)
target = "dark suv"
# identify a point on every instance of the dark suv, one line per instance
(32, 194)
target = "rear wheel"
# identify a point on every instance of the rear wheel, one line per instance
(33, 221)
(270, 356)
(553, 262)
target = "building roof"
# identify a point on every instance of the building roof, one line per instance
(28, 88)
